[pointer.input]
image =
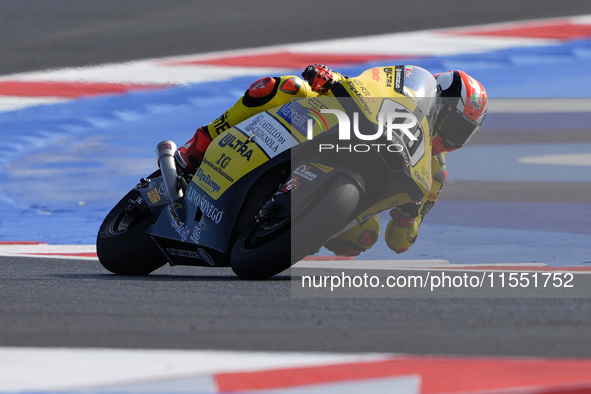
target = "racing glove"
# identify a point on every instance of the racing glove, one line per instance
(406, 214)
(320, 78)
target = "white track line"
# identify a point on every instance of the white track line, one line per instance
(11, 103)
(43, 250)
(539, 105)
(567, 159)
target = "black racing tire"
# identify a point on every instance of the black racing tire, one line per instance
(123, 247)
(306, 232)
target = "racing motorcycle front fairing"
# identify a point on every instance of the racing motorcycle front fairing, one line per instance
(235, 175)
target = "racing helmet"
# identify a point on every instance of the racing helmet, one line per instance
(463, 108)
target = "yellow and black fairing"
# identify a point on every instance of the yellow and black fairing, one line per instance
(245, 139)
(243, 166)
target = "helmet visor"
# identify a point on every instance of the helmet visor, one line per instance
(456, 129)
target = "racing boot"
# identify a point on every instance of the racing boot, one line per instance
(189, 156)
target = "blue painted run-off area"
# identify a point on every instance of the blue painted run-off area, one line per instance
(62, 167)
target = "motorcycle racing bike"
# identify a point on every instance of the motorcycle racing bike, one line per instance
(276, 187)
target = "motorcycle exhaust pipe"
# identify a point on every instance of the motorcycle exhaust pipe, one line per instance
(165, 154)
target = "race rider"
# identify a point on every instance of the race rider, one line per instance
(462, 111)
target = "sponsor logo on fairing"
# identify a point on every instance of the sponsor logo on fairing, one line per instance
(268, 133)
(200, 254)
(239, 146)
(196, 234)
(299, 116)
(179, 227)
(220, 165)
(408, 70)
(206, 179)
(223, 161)
(398, 80)
(304, 172)
(375, 74)
(209, 210)
(154, 196)
(362, 94)
(291, 185)
(389, 72)
(183, 253)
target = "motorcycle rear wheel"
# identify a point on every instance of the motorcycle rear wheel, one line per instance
(122, 244)
(305, 233)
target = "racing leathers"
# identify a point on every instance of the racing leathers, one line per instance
(270, 92)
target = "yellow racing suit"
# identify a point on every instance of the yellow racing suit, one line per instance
(270, 92)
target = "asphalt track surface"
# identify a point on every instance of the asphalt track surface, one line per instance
(71, 303)
(39, 34)
(75, 303)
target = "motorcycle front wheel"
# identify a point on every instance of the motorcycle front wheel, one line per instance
(123, 247)
(263, 249)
